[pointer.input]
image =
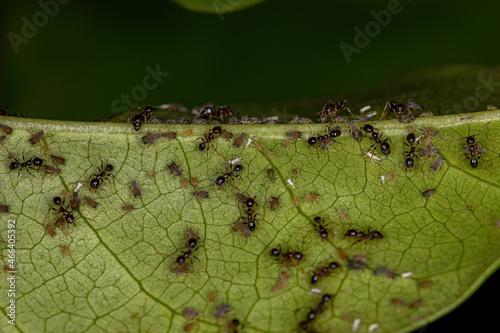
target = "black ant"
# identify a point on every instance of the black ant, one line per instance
(313, 313)
(98, 180)
(320, 228)
(397, 108)
(211, 136)
(362, 236)
(248, 203)
(473, 149)
(65, 213)
(26, 164)
(332, 110)
(222, 180)
(288, 257)
(216, 112)
(373, 134)
(324, 271)
(325, 140)
(143, 117)
(192, 246)
(410, 155)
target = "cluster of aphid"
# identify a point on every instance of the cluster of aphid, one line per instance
(247, 223)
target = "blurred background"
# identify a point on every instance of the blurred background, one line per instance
(93, 59)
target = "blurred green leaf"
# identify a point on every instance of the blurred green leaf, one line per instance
(217, 6)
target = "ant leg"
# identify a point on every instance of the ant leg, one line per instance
(104, 192)
(349, 110)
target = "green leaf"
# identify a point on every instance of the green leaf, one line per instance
(217, 6)
(444, 245)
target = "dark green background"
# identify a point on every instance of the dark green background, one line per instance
(91, 52)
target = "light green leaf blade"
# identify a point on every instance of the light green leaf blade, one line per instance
(114, 281)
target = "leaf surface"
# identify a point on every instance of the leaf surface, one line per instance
(444, 245)
(217, 6)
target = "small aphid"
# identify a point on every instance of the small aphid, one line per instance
(429, 152)
(226, 135)
(271, 175)
(296, 201)
(171, 135)
(51, 170)
(65, 250)
(430, 132)
(243, 227)
(150, 174)
(194, 181)
(311, 197)
(295, 172)
(150, 138)
(283, 281)
(175, 169)
(273, 203)
(8, 269)
(427, 193)
(355, 131)
(415, 304)
(397, 302)
(6, 129)
(436, 165)
(74, 202)
(36, 138)
(382, 270)
(50, 229)
(290, 183)
(342, 253)
(221, 310)
(201, 194)
(4, 209)
(136, 190)
(211, 297)
(287, 143)
(190, 313)
(58, 159)
(342, 214)
(294, 134)
(189, 327)
(187, 133)
(128, 208)
(238, 142)
(271, 154)
(425, 284)
(259, 146)
(185, 182)
(91, 202)
(358, 262)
